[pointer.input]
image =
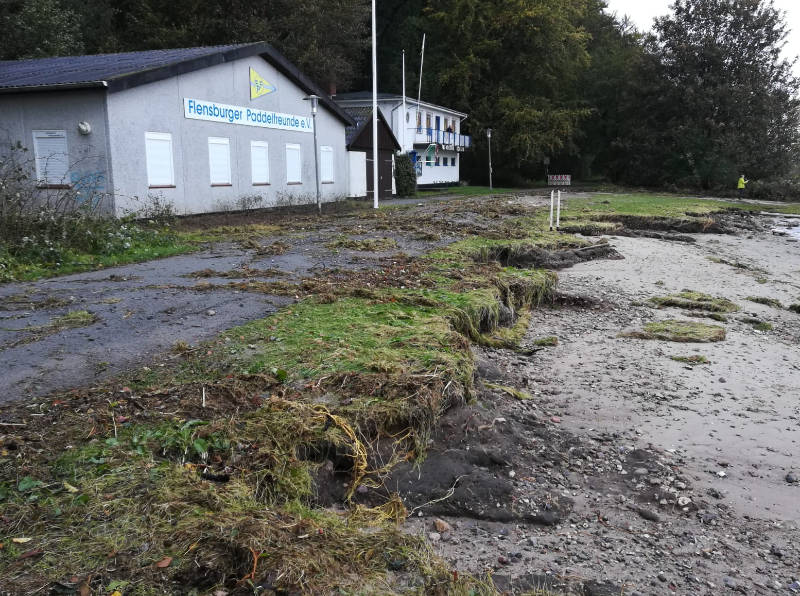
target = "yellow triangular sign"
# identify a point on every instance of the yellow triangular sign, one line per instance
(259, 85)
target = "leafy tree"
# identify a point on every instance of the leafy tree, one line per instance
(716, 97)
(512, 66)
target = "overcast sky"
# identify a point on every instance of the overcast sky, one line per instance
(642, 13)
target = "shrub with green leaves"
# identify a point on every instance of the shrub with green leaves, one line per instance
(405, 177)
(60, 229)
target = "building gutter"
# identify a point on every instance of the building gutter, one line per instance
(54, 87)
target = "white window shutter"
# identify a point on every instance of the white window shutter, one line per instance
(326, 163)
(259, 161)
(219, 160)
(158, 156)
(294, 170)
(52, 158)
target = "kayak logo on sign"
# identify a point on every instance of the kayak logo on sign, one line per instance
(259, 85)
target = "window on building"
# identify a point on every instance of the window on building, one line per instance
(158, 157)
(219, 161)
(293, 164)
(419, 121)
(453, 161)
(52, 159)
(437, 161)
(259, 162)
(444, 161)
(326, 164)
(427, 120)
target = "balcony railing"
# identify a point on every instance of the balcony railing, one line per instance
(455, 140)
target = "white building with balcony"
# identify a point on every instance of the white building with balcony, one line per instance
(430, 133)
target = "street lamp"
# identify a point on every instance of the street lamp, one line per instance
(314, 99)
(489, 136)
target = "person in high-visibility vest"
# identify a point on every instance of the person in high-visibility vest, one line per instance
(740, 185)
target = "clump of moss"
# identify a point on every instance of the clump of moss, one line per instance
(365, 244)
(181, 347)
(693, 360)
(757, 323)
(737, 265)
(549, 341)
(717, 316)
(679, 331)
(773, 302)
(691, 300)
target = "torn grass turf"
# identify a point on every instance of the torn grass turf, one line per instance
(679, 331)
(692, 300)
(766, 301)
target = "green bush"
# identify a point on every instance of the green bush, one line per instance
(405, 178)
(48, 227)
(774, 190)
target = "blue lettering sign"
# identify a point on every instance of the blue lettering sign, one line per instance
(197, 109)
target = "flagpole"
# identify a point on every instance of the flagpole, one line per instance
(419, 89)
(403, 116)
(374, 112)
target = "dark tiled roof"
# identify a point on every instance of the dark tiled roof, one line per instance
(362, 116)
(130, 69)
(98, 68)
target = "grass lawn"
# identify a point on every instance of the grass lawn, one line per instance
(76, 262)
(650, 204)
(465, 191)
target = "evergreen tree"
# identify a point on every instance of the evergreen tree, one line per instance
(38, 28)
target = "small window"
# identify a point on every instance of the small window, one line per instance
(158, 156)
(259, 161)
(453, 161)
(52, 159)
(427, 120)
(437, 161)
(219, 161)
(444, 161)
(294, 162)
(326, 164)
